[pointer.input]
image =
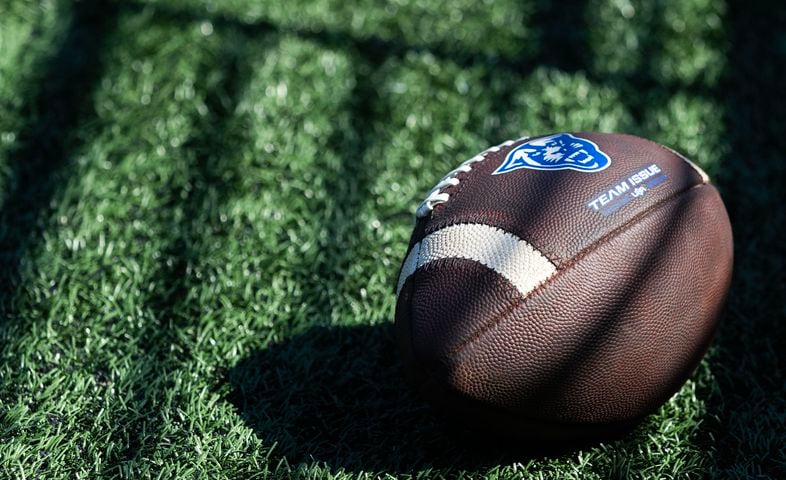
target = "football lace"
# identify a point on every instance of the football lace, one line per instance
(437, 197)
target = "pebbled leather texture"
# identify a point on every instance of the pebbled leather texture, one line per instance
(525, 202)
(611, 336)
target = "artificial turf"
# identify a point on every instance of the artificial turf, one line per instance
(204, 205)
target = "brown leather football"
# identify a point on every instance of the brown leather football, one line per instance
(563, 286)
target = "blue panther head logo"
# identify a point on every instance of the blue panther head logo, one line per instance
(561, 151)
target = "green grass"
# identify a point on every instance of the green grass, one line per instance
(204, 206)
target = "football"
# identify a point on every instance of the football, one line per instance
(563, 286)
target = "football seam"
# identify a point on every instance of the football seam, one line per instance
(547, 252)
(705, 179)
(576, 258)
(428, 374)
(460, 186)
(456, 191)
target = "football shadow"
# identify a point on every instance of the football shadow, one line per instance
(338, 396)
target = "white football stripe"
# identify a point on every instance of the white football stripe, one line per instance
(513, 258)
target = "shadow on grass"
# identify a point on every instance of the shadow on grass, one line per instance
(47, 143)
(748, 409)
(338, 396)
(210, 183)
